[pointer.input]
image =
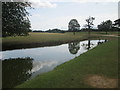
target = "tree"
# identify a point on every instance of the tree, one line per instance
(73, 26)
(89, 24)
(117, 23)
(105, 26)
(14, 18)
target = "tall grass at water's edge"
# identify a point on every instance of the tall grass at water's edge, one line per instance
(40, 39)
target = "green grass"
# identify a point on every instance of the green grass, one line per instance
(48, 37)
(43, 37)
(102, 60)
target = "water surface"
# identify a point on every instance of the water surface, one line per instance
(44, 59)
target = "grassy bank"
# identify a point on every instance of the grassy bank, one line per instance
(40, 39)
(46, 39)
(100, 62)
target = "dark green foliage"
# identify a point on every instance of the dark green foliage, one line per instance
(55, 31)
(89, 22)
(105, 26)
(14, 19)
(117, 22)
(73, 26)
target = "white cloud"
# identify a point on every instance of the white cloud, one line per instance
(50, 20)
(119, 10)
(13, 0)
(42, 4)
(51, 3)
(82, 1)
(35, 3)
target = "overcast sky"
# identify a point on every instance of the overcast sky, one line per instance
(51, 14)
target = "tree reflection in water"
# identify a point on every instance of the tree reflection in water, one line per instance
(90, 44)
(100, 42)
(15, 71)
(87, 45)
(74, 47)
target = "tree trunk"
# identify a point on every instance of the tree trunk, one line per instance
(88, 32)
(106, 32)
(73, 33)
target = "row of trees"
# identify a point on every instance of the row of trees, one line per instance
(75, 26)
(106, 26)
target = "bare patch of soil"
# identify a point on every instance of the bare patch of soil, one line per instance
(98, 81)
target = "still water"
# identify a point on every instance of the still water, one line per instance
(40, 60)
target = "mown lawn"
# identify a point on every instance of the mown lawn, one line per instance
(100, 61)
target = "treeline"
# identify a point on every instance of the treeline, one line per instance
(81, 30)
(109, 26)
(104, 26)
(51, 31)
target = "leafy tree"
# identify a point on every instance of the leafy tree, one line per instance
(73, 26)
(105, 26)
(14, 18)
(89, 24)
(117, 23)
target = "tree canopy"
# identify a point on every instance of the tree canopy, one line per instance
(73, 26)
(117, 23)
(14, 18)
(105, 26)
(89, 22)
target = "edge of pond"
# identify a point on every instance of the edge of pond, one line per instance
(34, 45)
(52, 70)
(14, 46)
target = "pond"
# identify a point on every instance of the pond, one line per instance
(24, 64)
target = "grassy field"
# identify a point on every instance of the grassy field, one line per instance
(96, 68)
(46, 39)
(40, 39)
